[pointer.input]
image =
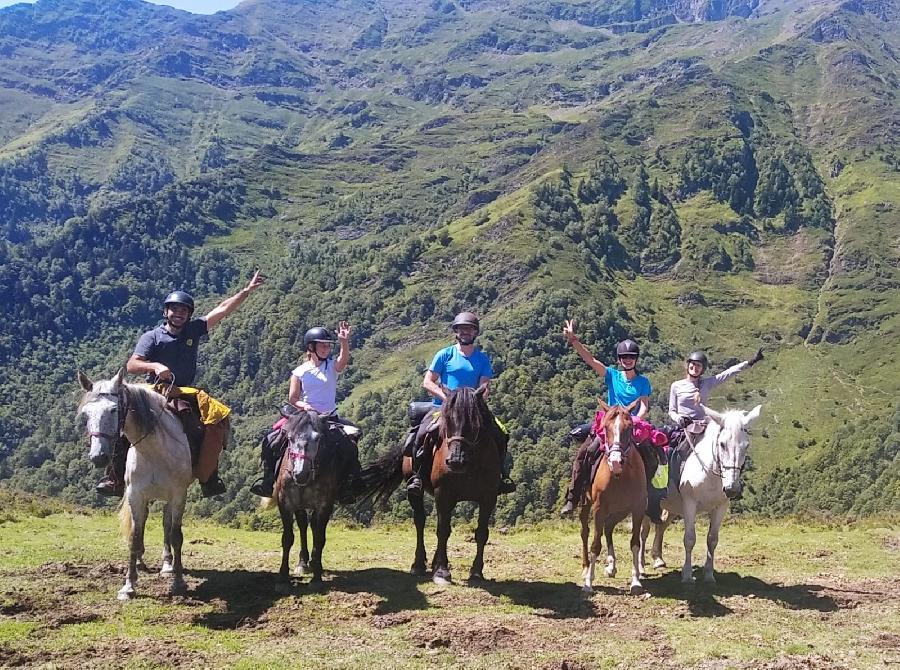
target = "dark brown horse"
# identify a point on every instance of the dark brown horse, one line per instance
(465, 466)
(306, 486)
(619, 488)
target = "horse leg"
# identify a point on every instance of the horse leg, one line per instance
(440, 565)
(596, 546)
(610, 550)
(690, 538)
(712, 539)
(645, 533)
(587, 568)
(287, 541)
(136, 547)
(481, 537)
(419, 562)
(166, 568)
(176, 513)
(319, 524)
(659, 531)
(303, 560)
(637, 518)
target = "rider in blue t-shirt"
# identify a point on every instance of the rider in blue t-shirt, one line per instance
(624, 385)
(461, 365)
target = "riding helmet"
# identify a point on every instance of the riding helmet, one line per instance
(698, 357)
(628, 347)
(466, 319)
(180, 298)
(317, 334)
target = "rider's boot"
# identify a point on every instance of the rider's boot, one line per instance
(270, 442)
(207, 466)
(414, 485)
(265, 485)
(569, 508)
(113, 483)
(507, 485)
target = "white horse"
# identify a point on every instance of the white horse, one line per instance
(710, 479)
(158, 465)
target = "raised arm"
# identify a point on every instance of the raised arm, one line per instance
(343, 335)
(580, 349)
(229, 305)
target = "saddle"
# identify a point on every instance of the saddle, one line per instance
(187, 410)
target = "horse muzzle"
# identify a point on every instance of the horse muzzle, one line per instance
(99, 451)
(615, 458)
(457, 461)
(734, 491)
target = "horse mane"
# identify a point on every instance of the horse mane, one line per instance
(463, 412)
(303, 422)
(145, 406)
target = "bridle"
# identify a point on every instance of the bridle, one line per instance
(717, 468)
(122, 410)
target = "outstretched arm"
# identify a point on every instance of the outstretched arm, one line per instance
(343, 335)
(580, 349)
(229, 305)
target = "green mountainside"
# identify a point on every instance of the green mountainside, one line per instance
(693, 174)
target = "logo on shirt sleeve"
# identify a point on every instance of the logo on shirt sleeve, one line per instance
(190, 342)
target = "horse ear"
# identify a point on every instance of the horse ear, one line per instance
(86, 383)
(117, 380)
(714, 415)
(752, 415)
(602, 405)
(633, 405)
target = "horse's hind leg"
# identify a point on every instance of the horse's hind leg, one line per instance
(303, 560)
(645, 533)
(287, 541)
(610, 550)
(136, 547)
(175, 512)
(587, 563)
(481, 537)
(418, 507)
(656, 550)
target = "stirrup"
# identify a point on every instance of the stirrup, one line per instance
(507, 485)
(212, 487)
(262, 487)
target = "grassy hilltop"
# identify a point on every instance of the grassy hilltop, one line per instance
(695, 175)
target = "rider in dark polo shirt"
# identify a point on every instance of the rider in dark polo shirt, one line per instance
(168, 353)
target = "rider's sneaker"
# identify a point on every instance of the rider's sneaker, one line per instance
(263, 487)
(507, 485)
(414, 486)
(110, 487)
(568, 509)
(212, 487)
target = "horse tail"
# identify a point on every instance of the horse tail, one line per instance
(267, 503)
(378, 480)
(126, 525)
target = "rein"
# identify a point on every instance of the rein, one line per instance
(717, 467)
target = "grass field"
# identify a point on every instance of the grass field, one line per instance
(791, 594)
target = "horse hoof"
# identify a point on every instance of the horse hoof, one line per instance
(125, 594)
(587, 588)
(709, 579)
(316, 579)
(177, 588)
(442, 579)
(610, 572)
(476, 577)
(688, 582)
(418, 570)
(636, 590)
(283, 587)
(166, 569)
(301, 569)
(659, 564)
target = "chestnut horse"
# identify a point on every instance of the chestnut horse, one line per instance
(465, 466)
(619, 488)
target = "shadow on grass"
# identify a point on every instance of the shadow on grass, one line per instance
(703, 599)
(553, 600)
(249, 594)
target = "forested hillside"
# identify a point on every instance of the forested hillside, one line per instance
(717, 175)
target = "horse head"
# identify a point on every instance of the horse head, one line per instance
(618, 427)
(102, 407)
(731, 445)
(305, 434)
(464, 414)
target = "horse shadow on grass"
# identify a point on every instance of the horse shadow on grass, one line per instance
(244, 596)
(704, 600)
(552, 600)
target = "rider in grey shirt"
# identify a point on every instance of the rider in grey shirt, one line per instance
(687, 395)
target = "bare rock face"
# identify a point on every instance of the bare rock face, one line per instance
(695, 11)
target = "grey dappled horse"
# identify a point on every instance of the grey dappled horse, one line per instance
(710, 479)
(158, 465)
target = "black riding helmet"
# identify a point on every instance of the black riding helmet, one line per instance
(180, 298)
(627, 348)
(466, 319)
(316, 334)
(698, 357)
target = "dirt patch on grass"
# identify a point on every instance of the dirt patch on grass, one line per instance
(125, 653)
(464, 636)
(850, 594)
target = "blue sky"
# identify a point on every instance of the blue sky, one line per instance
(196, 6)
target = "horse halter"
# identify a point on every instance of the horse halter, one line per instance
(716, 468)
(121, 410)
